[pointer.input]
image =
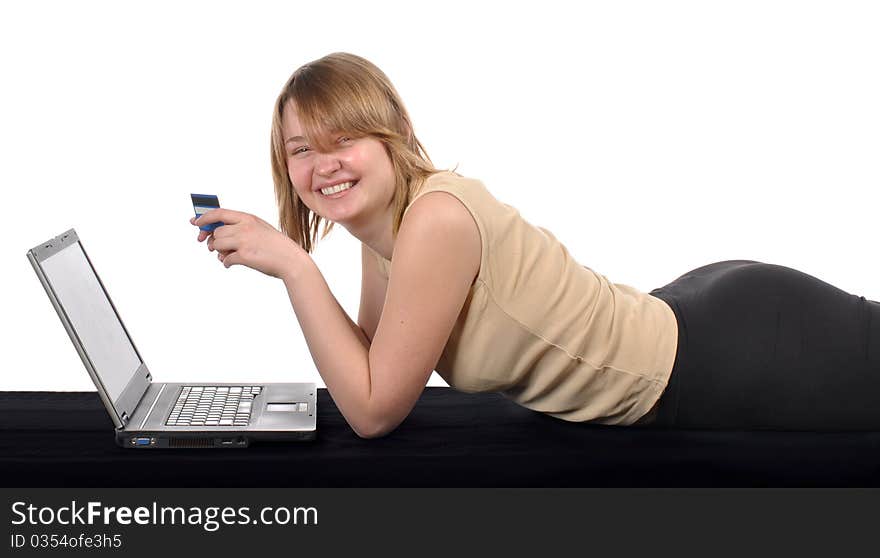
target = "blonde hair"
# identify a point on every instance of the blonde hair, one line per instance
(342, 92)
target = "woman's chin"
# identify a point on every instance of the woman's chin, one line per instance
(340, 216)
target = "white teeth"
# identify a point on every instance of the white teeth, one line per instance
(337, 188)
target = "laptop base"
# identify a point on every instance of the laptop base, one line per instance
(212, 439)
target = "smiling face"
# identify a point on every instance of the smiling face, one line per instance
(361, 163)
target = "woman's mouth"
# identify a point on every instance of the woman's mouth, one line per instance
(339, 190)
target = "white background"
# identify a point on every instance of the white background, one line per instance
(650, 137)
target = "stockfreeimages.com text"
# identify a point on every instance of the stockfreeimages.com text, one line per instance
(210, 518)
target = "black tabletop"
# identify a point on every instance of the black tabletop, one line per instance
(450, 439)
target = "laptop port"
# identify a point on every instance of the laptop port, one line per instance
(141, 441)
(231, 442)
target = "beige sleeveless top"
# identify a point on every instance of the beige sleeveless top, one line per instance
(547, 332)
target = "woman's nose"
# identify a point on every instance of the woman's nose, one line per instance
(326, 163)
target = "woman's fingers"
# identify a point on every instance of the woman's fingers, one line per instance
(226, 243)
(244, 239)
(223, 244)
(229, 259)
(220, 215)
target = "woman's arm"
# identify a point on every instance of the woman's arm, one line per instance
(359, 333)
(374, 288)
(375, 385)
(339, 348)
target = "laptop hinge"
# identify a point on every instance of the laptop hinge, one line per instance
(125, 418)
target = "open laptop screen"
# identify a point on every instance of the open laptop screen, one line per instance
(93, 318)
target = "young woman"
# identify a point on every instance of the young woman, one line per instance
(456, 281)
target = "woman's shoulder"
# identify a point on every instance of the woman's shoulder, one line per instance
(448, 178)
(446, 224)
(467, 190)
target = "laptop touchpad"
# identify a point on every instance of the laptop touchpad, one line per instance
(287, 407)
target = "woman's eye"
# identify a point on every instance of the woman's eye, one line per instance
(299, 150)
(344, 139)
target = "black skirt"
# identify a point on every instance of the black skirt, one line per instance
(763, 346)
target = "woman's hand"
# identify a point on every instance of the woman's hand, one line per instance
(248, 240)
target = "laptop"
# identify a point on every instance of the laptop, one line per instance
(148, 414)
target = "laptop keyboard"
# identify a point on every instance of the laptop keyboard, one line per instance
(213, 406)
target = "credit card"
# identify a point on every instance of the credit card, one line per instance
(204, 203)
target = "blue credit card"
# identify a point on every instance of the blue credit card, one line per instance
(204, 203)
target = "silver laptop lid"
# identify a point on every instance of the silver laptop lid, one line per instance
(93, 323)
